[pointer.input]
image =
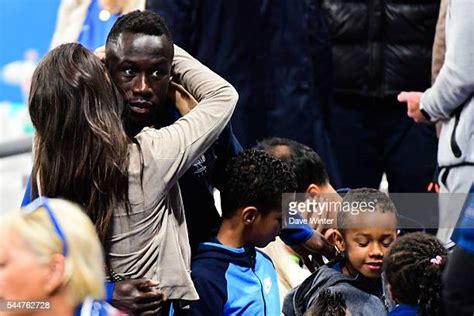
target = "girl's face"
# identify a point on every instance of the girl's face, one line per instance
(367, 243)
(22, 276)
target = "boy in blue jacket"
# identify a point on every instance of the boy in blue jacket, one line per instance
(231, 276)
(366, 222)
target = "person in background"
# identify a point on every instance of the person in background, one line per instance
(89, 21)
(50, 253)
(276, 54)
(312, 181)
(380, 47)
(450, 100)
(413, 268)
(311, 174)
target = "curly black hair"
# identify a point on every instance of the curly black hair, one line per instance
(145, 22)
(255, 178)
(328, 304)
(381, 202)
(412, 274)
(306, 163)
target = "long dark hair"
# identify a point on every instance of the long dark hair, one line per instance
(80, 150)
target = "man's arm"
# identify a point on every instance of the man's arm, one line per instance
(305, 241)
(455, 83)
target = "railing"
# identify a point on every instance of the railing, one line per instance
(16, 147)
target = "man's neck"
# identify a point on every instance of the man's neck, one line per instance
(231, 234)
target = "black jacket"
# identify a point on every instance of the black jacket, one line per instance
(275, 53)
(381, 47)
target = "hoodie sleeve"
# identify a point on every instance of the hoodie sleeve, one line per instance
(211, 285)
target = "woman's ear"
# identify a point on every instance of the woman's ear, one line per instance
(337, 239)
(55, 273)
(249, 214)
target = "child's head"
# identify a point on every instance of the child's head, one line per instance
(251, 196)
(413, 268)
(328, 304)
(367, 225)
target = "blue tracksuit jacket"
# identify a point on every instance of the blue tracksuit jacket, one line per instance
(234, 281)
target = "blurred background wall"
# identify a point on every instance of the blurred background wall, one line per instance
(26, 28)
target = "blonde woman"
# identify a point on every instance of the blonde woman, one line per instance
(51, 262)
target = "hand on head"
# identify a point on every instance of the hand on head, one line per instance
(140, 296)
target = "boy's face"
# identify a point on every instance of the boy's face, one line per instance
(266, 227)
(367, 242)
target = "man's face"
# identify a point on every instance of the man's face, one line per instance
(368, 242)
(141, 66)
(266, 227)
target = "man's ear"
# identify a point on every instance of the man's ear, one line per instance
(331, 235)
(313, 190)
(55, 273)
(249, 214)
(338, 240)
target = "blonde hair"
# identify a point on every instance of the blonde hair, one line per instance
(84, 274)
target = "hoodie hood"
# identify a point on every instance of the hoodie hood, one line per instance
(354, 289)
(244, 256)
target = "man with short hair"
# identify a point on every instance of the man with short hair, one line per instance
(139, 56)
(311, 174)
(139, 51)
(312, 180)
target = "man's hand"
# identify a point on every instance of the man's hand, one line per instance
(412, 100)
(183, 100)
(316, 246)
(138, 297)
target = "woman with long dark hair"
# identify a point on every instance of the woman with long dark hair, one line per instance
(80, 148)
(128, 185)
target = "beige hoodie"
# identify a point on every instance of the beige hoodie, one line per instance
(152, 242)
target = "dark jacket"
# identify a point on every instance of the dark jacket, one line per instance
(234, 281)
(363, 297)
(275, 53)
(381, 47)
